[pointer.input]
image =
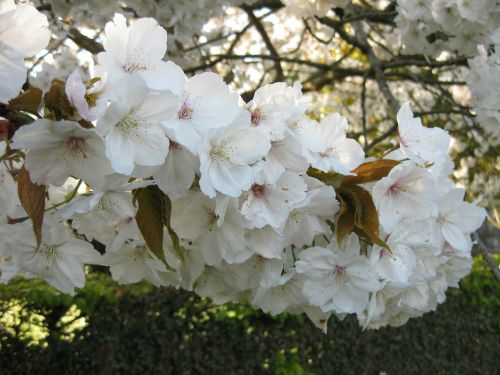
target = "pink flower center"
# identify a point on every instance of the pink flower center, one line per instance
(258, 190)
(133, 67)
(340, 272)
(75, 145)
(212, 219)
(185, 113)
(383, 253)
(256, 117)
(174, 145)
(394, 189)
(327, 153)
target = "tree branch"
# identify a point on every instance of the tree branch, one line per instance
(85, 42)
(363, 112)
(267, 41)
(362, 39)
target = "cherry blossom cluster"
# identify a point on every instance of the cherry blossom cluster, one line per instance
(432, 26)
(469, 28)
(310, 8)
(428, 227)
(483, 81)
(23, 33)
(247, 221)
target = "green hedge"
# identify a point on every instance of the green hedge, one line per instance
(108, 329)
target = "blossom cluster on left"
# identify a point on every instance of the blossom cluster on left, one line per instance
(23, 33)
(186, 185)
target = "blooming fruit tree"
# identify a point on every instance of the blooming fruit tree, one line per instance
(179, 181)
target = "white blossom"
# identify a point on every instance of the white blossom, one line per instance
(226, 159)
(23, 33)
(457, 219)
(135, 50)
(406, 191)
(418, 143)
(178, 172)
(337, 278)
(60, 258)
(269, 204)
(132, 129)
(217, 233)
(205, 103)
(308, 218)
(338, 153)
(90, 102)
(58, 149)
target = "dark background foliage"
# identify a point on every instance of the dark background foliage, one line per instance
(142, 330)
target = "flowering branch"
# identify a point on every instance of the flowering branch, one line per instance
(254, 196)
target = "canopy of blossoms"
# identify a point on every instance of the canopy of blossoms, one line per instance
(183, 183)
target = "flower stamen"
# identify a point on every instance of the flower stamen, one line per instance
(259, 191)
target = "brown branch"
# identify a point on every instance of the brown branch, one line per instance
(418, 60)
(229, 51)
(338, 27)
(362, 39)
(311, 32)
(271, 57)
(85, 42)
(267, 41)
(50, 49)
(383, 17)
(363, 112)
(444, 112)
(270, 4)
(382, 137)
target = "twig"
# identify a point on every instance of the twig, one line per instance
(267, 41)
(85, 42)
(50, 50)
(363, 111)
(362, 39)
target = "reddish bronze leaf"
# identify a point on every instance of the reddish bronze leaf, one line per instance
(150, 218)
(32, 197)
(361, 215)
(28, 101)
(366, 213)
(329, 178)
(4, 129)
(57, 105)
(345, 222)
(369, 172)
(167, 214)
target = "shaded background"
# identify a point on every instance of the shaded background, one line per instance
(138, 329)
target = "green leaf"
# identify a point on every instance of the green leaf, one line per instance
(369, 172)
(32, 197)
